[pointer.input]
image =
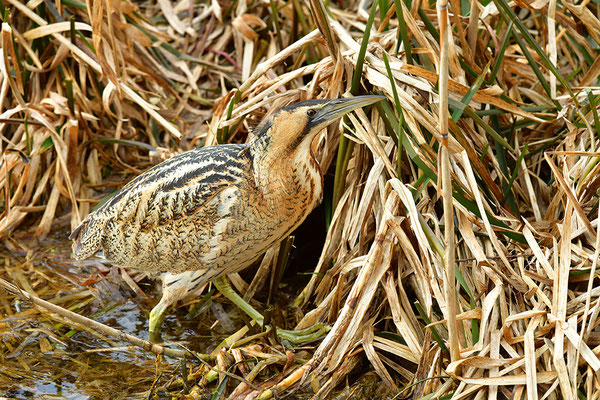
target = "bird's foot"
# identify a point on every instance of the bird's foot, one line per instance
(304, 335)
(292, 337)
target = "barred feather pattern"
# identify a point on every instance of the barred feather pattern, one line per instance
(215, 209)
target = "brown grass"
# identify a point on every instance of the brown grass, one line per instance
(86, 106)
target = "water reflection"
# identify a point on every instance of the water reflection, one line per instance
(44, 356)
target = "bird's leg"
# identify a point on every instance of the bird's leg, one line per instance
(295, 337)
(226, 290)
(157, 316)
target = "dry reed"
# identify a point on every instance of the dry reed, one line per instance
(93, 93)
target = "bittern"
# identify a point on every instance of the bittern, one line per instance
(214, 210)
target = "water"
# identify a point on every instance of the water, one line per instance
(48, 357)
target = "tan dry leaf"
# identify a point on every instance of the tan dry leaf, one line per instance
(583, 13)
(511, 380)
(571, 333)
(46, 30)
(24, 175)
(172, 18)
(591, 74)
(532, 5)
(515, 278)
(483, 362)
(493, 90)
(129, 92)
(402, 323)
(216, 9)
(376, 362)
(530, 361)
(567, 190)
(470, 314)
(115, 5)
(339, 339)
(45, 346)
(479, 97)
(126, 7)
(264, 66)
(136, 35)
(396, 348)
(46, 222)
(538, 4)
(244, 23)
(11, 71)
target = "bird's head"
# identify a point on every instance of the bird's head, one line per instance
(300, 122)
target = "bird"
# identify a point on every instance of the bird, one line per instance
(175, 288)
(214, 210)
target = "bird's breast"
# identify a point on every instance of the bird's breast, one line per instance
(208, 213)
(291, 191)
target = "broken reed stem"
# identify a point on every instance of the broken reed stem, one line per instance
(107, 330)
(320, 17)
(450, 281)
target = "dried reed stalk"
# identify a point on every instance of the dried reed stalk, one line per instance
(129, 84)
(446, 187)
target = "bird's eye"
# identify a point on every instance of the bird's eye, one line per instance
(311, 112)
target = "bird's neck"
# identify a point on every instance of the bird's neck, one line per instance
(292, 171)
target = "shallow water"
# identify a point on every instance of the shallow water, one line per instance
(57, 360)
(43, 356)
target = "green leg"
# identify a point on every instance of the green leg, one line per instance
(295, 337)
(223, 286)
(157, 317)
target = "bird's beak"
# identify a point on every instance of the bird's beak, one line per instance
(337, 108)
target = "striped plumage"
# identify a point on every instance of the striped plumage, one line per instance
(176, 287)
(194, 208)
(216, 209)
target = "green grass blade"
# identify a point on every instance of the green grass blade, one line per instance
(500, 54)
(363, 50)
(398, 110)
(402, 32)
(593, 103)
(345, 147)
(393, 124)
(536, 69)
(275, 18)
(384, 7)
(510, 15)
(75, 4)
(502, 162)
(470, 93)
(322, 21)
(223, 134)
(70, 97)
(430, 27)
(434, 333)
(468, 111)
(516, 170)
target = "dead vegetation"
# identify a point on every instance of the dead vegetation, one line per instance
(93, 93)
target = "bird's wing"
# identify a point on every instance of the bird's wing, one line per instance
(173, 189)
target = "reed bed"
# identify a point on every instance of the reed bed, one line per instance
(91, 94)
